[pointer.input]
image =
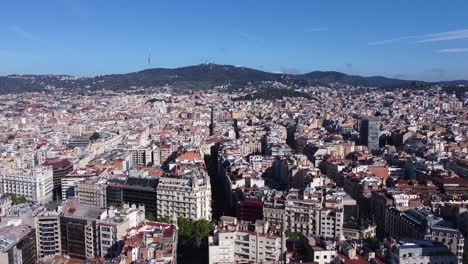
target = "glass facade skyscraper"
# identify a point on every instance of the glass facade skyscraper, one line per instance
(370, 132)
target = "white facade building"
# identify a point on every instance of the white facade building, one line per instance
(186, 196)
(113, 226)
(233, 242)
(34, 184)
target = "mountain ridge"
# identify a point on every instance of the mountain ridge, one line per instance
(204, 76)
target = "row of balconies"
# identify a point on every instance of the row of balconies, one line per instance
(17, 189)
(241, 250)
(172, 205)
(48, 229)
(173, 200)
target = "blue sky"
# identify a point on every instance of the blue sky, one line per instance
(409, 39)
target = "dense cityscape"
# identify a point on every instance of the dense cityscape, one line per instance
(343, 175)
(233, 132)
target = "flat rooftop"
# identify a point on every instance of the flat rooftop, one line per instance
(75, 209)
(11, 235)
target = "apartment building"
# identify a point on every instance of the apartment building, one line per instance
(420, 223)
(84, 231)
(18, 245)
(139, 191)
(234, 241)
(364, 230)
(320, 251)
(60, 168)
(151, 241)
(330, 222)
(35, 184)
(5, 204)
(78, 230)
(141, 156)
(69, 181)
(420, 251)
(48, 233)
(187, 195)
(113, 226)
(273, 210)
(91, 192)
(308, 216)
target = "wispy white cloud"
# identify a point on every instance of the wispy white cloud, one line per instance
(288, 70)
(441, 36)
(449, 35)
(455, 50)
(22, 33)
(388, 41)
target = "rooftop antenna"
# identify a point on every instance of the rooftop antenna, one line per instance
(149, 56)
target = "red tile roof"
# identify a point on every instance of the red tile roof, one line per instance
(190, 156)
(57, 164)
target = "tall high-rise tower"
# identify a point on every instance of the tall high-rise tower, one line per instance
(370, 132)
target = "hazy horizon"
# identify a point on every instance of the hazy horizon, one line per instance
(275, 72)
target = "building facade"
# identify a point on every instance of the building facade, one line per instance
(79, 236)
(186, 196)
(60, 169)
(48, 234)
(370, 132)
(91, 192)
(113, 227)
(34, 184)
(235, 242)
(141, 191)
(18, 245)
(420, 251)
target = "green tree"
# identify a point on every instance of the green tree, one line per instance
(185, 228)
(54, 202)
(293, 235)
(201, 229)
(95, 136)
(113, 204)
(16, 199)
(149, 216)
(193, 232)
(373, 242)
(150, 164)
(165, 219)
(11, 137)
